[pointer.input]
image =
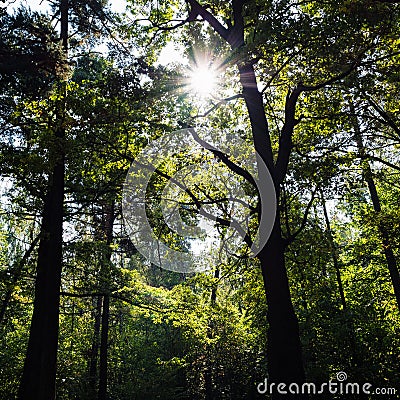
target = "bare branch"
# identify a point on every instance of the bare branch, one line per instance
(387, 163)
(163, 25)
(217, 105)
(285, 142)
(200, 210)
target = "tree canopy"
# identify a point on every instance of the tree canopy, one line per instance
(222, 226)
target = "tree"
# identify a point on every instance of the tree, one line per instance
(72, 125)
(48, 63)
(39, 375)
(256, 34)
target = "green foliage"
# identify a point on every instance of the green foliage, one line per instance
(177, 336)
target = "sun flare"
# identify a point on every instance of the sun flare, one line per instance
(202, 81)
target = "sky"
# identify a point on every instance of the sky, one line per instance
(42, 5)
(169, 53)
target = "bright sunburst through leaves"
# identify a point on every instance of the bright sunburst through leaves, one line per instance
(202, 80)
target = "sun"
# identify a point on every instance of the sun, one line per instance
(202, 81)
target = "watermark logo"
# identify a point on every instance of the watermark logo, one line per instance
(341, 376)
(192, 198)
(337, 386)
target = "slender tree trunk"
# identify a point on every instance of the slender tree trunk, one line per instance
(353, 344)
(208, 373)
(103, 370)
(215, 288)
(335, 257)
(39, 373)
(385, 237)
(105, 277)
(94, 352)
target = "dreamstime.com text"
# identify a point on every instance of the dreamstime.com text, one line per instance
(333, 387)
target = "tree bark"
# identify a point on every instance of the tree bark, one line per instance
(285, 361)
(39, 373)
(208, 373)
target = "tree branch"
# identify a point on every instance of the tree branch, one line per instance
(276, 73)
(334, 79)
(293, 236)
(199, 204)
(224, 158)
(374, 158)
(285, 140)
(215, 106)
(197, 9)
(383, 114)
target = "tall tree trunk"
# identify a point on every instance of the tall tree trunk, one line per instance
(39, 373)
(208, 373)
(285, 361)
(105, 277)
(103, 370)
(385, 237)
(353, 344)
(284, 347)
(94, 352)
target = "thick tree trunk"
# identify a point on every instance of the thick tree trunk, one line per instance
(285, 361)
(39, 373)
(386, 243)
(208, 373)
(285, 356)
